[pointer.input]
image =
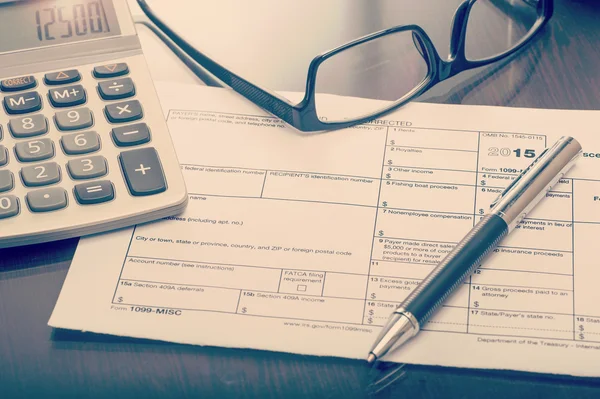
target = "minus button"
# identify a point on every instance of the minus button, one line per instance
(127, 136)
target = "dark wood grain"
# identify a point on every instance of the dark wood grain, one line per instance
(560, 70)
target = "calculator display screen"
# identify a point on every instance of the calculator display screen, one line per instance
(40, 23)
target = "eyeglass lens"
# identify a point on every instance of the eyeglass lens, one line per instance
(393, 64)
(496, 26)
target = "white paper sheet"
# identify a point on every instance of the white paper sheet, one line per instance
(304, 243)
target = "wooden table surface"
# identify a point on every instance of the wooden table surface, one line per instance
(561, 69)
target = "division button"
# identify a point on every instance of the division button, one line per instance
(28, 126)
(9, 206)
(131, 135)
(116, 89)
(46, 200)
(127, 111)
(87, 168)
(62, 77)
(6, 180)
(111, 70)
(69, 96)
(41, 175)
(80, 118)
(80, 143)
(16, 84)
(3, 155)
(94, 192)
(23, 103)
(143, 171)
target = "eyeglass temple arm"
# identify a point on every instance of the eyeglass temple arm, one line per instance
(207, 78)
(264, 99)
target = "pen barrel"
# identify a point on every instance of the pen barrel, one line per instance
(466, 256)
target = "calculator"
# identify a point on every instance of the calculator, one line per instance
(84, 145)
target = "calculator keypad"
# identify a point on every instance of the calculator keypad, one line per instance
(34, 150)
(28, 126)
(6, 181)
(80, 143)
(47, 199)
(69, 96)
(75, 119)
(79, 139)
(87, 168)
(41, 175)
(23, 103)
(9, 206)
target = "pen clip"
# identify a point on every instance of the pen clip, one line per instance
(517, 179)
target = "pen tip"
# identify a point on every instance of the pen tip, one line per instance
(371, 358)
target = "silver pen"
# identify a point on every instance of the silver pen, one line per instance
(511, 206)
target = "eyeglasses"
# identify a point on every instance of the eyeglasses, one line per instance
(354, 66)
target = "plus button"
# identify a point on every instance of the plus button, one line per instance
(143, 169)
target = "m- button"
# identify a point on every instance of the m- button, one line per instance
(16, 84)
(143, 171)
(23, 103)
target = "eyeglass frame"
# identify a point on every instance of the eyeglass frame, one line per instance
(303, 116)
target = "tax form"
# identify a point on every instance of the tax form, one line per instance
(305, 243)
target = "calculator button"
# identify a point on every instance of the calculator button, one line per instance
(41, 175)
(47, 199)
(62, 77)
(34, 150)
(28, 126)
(111, 70)
(23, 103)
(94, 192)
(9, 206)
(87, 168)
(127, 111)
(125, 136)
(69, 96)
(116, 89)
(143, 172)
(6, 181)
(74, 119)
(16, 84)
(80, 143)
(3, 155)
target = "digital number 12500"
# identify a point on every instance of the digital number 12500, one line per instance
(80, 19)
